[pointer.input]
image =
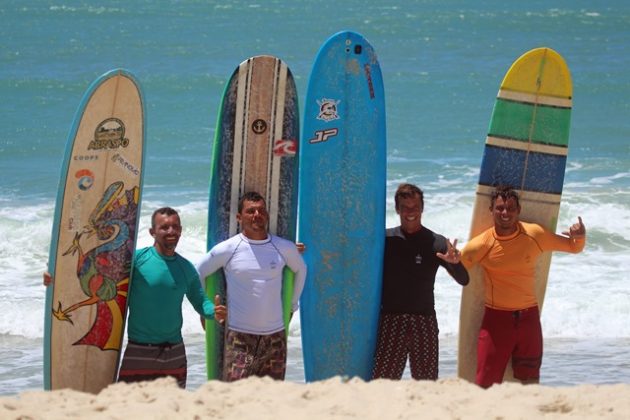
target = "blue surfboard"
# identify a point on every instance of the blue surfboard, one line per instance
(341, 216)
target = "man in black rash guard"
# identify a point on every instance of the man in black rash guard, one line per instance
(408, 324)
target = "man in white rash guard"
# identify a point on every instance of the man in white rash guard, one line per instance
(253, 261)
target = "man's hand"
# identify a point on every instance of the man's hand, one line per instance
(452, 255)
(47, 279)
(220, 311)
(576, 230)
(300, 247)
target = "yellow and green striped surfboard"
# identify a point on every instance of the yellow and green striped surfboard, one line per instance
(526, 148)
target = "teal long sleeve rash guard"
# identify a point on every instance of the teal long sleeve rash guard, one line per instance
(156, 293)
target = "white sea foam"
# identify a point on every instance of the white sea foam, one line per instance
(588, 293)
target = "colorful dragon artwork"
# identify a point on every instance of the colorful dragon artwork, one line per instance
(103, 271)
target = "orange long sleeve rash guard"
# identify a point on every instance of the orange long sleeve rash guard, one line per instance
(509, 262)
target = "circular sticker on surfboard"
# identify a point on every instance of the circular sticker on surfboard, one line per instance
(86, 179)
(109, 134)
(259, 126)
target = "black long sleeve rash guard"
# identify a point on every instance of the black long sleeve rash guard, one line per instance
(409, 269)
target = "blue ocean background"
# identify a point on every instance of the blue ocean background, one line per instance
(442, 62)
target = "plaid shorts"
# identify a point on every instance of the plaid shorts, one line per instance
(145, 362)
(254, 355)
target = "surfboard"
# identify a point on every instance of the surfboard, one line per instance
(526, 148)
(342, 208)
(94, 236)
(255, 149)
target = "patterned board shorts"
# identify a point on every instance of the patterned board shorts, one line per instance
(402, 335)
(254, 355)
(145, 362)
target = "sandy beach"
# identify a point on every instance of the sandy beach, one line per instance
(331, 399)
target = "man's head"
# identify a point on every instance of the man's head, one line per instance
(252, 215)
(166, 230)
(249, 196)
(409, 201)
(505, 208)
(505, 192)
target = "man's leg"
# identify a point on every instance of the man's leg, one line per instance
(424, 351)
(272, 356)
(239, 355)
(527, 357)
(391, 347)
(494, 346)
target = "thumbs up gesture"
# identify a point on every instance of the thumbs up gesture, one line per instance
(220, 311)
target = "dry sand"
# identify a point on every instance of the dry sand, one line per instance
(256, 398)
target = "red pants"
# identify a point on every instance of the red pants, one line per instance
(402, 335)
(506, 334)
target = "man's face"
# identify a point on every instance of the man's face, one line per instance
(505, 214)
(253, 219)
(166, 232)
(410, 212)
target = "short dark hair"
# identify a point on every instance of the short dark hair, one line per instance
(250, 196)
(408, 191)
(505, 192)
(163, 210)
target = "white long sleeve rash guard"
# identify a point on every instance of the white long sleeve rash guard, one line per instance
(253, 273)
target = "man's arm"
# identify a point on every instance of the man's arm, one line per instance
(216, 258)
(477, 249)
(452, 262)
(549, 241)
(208, 264)
(296, 263)
(200, 301)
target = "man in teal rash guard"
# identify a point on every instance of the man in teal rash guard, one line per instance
(161, 278)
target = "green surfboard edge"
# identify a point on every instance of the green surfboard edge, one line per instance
(212, 281)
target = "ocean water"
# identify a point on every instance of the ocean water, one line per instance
(442, 63)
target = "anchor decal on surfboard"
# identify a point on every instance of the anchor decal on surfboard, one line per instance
(103, 271)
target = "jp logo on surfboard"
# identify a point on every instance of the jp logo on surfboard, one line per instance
(324, 135)
(104, 282)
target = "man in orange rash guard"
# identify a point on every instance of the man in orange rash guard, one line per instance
(508, 253)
